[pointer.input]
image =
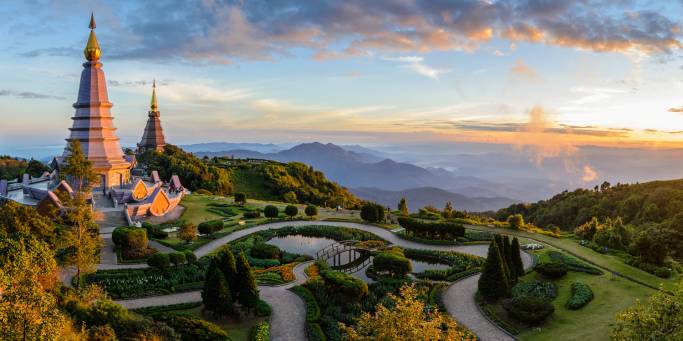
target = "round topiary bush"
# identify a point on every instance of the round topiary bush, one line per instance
(311, 211)
(176, 258)
(528, 309)
(265, 251)
(271, 211)
(190, 257)
(159, 260)
(552, 270)
(291, 211)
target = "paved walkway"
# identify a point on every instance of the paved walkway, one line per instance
(289, 310)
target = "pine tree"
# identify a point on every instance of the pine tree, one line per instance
(227, 264)
(506, 253)
(517, 258)
(493, 282)
(498, 239)
(216, 294)
(78, 167)
(248, 292)
(403, 206)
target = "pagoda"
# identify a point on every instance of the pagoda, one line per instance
(153, 137)
(93, 124)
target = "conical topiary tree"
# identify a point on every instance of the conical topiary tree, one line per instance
(493, 282)
(216, 294)
(506, 253)
(498, 239)
(228, 265)
(517, 264)
(248, 291)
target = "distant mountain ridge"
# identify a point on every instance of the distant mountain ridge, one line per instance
(362, 169)
(423, 196)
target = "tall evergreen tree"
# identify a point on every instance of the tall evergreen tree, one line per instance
(248, 291)
(228, 265)
(517, 264)
(403, 206)
(506, 252)
(78, 167)
(216, 294)
(493, 282)
(498, 239)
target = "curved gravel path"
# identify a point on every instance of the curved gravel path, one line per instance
(289, 312)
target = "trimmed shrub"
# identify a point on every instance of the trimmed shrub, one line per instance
(240, 198)
(291, 211)
(371, 212)
(311, 210)
(345, 287)
(190, 257)
(271, 211)
(252, 214)
(581, 295)
(312, 308)
(314, 332)
(159, 260)
(551, 270)
(260, 332)
(527, 309)
(493, 283)
(265, 251)
(432, 230)
(176, 258)
(541, 289)
(192, 328)
(209, 227)
(395, 263)
(262, 308)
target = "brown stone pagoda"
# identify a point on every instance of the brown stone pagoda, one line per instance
(93, 123)
(153, 137)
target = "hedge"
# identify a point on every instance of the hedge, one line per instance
(209, 227)
(312, 308)
(193, 329)
(347, 286)
(260, 332)
(263, 308)
(394, 263)
(436, 230)
(552, 270)
(581, 295)
(531, 310)
(314, 332)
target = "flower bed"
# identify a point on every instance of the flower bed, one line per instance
(285, 272)
(581, 295)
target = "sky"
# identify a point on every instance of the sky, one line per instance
(545, 75)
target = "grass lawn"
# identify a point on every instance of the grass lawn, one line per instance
(610, 262)
(592, 322)
(238, 330)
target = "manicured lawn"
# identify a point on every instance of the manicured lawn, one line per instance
(592, 322)
(610, 262)
(238, 330)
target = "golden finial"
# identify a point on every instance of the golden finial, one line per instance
(154, 106)
(92, 50)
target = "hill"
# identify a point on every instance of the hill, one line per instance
(424, 196)
(293, 182)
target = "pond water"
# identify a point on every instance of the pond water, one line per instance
(311, 245)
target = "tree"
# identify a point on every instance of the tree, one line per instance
(188, 232)
(493, 283)
(271, 211)
(291, 211)
(176, 258)
(587, 231)
(240, 198)
(210, 227)
(311, 210)
(651, 245)
(28, 309)
(216, 294)
(405, 319)
(82, 237)
(290, 197)
(517, 263)
(36, 168)
(403, 206)
(21, 219)
(78, 166)
(372, 212)
(448, 211)
(516, 221)
(226, 263)
(394, 262)
(660, 318)
(248, 291)
(506, 253)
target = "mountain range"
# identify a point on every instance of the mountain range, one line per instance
(371, 176)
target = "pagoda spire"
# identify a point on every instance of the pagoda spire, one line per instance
(92, 50)
(154, 105)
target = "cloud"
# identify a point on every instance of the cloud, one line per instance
(676, 109)
(27, 94)
(589, 174)
(226, 31)
(524, 71)
(417, 65)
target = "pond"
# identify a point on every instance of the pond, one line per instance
(311, 245)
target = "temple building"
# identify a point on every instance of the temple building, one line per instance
(153, 136)
(93, 124)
